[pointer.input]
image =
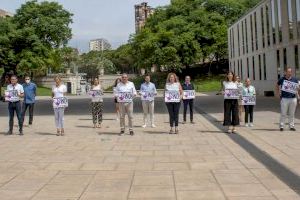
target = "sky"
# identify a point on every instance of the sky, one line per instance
(109, 19)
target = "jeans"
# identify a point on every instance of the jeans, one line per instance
(186, 103)
(126, 108)
(288, 108)
(173, 109)
(59, 117)
(148, 108)
(24, 109)
(12, 108)
(248, 111)
(231, 112)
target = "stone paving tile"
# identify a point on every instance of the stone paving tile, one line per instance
(200, 164)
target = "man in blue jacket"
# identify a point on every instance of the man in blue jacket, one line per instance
(29, 99)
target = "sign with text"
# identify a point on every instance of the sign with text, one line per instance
(189, 94)
(248, 100)
(172, 96)
(147, 95)
(125, 97)
(232, 94)
(60, 102)
(11, 95)
(95, 93)
(290, 87)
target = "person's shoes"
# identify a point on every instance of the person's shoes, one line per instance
(122, 133)
(233, 131)
(153, 126)
(171, 131)
(144, 125)
(281, 129)
(228, 131)
(184, 122)
(131, 133)
(292, 129)
(246, 125)
(176, 131)
(21, 133)
(251, 125)
(192, 122)
(8, 133)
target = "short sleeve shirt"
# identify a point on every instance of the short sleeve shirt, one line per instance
(17, 87)
(59, 91)
(287, 94)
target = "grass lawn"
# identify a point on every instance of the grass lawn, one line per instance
(208, 84)
(41, 91)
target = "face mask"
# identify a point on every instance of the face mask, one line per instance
(27, 81)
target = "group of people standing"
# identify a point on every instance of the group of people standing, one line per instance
(237, 97)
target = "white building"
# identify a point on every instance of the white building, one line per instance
(266, 41)
(99, 45)
(4, 13)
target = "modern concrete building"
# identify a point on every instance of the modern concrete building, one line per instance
(142, 12)
(99, 45)
(4, 13)
(266, 41)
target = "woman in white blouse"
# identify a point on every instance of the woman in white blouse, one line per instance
(97, 103)
(231, 108)
(173, 84)
(58, 93)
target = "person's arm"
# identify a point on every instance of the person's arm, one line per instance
(180, 89)
(21, 91)
(155, 91)
(134, 90)
(277, 88)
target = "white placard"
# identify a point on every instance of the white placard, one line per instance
(172, 96)
(232, 94)
(124, 97)
(11, 95)
(189, 94)
(248, 100)
(290, 87)
(147, 95)
(95, 93)
(60, 102)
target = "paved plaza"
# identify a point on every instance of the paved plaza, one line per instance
(201, 162)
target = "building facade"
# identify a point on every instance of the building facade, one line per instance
(142, 12)
(4, 13)
(99, 45)
(265, 41)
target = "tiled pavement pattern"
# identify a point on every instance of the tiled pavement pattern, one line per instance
(87, 164)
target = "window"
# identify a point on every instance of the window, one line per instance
(279, 19)
(241, 63)
(253, 67)
(233, 47)
(278, 64)
(239, 44)
(259, 66)
(246, 33)
(268, 24)
(263, 26)
(298, 16)
(243, 39)
(251, 32)
(265, 67)
(273, 21)
(238, 67)
(290, 19)
(297, 61)
(284, 59)
(248, 71)
(255, 30)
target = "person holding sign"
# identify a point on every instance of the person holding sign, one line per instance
(60, 102)
(248, 100)
(231, 108)
(148, 92)
(172, 94)
(118, 80)
(12, 95)
(287, 88)
(29, 99)
(188, 98)
(125, 92)
(96, 94)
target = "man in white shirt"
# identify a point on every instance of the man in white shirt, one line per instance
(13, 93)
(125, 92)
(148, 92)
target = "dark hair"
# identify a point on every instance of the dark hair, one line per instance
(146, 75)
(15, 76)
(233, 78)
(116, 81)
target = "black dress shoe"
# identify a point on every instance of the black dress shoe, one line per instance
(21, 133)
(8, 133)
(131, 133)
(292, 129)
(281, 129)
(121, 133)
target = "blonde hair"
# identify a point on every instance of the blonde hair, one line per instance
(175, 77)
(57, 78)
